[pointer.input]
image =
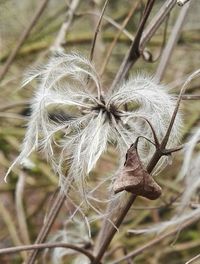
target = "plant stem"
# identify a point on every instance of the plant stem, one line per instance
(97, 30)
(112, 229)
(112, 45)
(156, 241)
(47, 225)
(122, 213)
(60, 39)
(131, 57)
(44, 246)
(191, 97)
(147, 35)
(174, 36)
(193, 259)
(134, 51)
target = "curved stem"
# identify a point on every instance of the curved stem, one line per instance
(137, 140)
(157, 144)
(190, 78)
(13, 250)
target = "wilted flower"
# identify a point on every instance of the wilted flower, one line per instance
(72, 124)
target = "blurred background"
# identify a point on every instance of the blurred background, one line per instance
(26, 198)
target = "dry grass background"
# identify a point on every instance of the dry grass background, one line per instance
(31, 199)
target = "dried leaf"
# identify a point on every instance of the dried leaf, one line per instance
(135, 179)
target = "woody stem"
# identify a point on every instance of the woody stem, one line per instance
(111, 230)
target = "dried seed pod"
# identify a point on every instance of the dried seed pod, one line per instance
(135, 179)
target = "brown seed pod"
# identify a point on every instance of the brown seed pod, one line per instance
(135, 179)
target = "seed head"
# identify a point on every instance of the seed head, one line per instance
(73, 125)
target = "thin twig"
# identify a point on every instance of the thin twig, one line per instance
(109, 20)
(112, 45)
(13, 250)
(23, 38)
(174, 36)
(156, 22)
(134, 51)
(147, 56)
(97, 30)
(60, 39)
(135, 48)
(146, 37)
(156, 241)
(190, 97)
(193, 259)
(166, 137)
(47, 225)
(8, 220)
(21, 216)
